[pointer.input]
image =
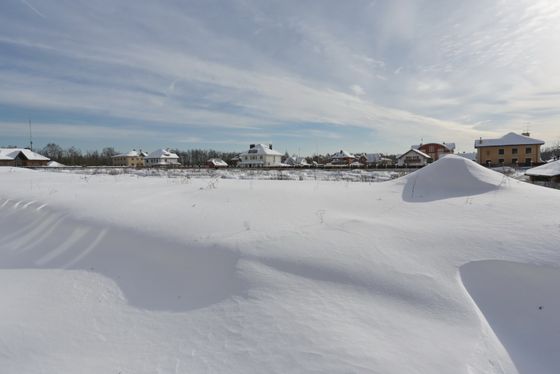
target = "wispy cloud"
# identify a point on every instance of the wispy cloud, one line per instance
(35, 10)
(394, 68)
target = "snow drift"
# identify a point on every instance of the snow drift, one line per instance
(116, 273)
(521, 302)
(451, 176)
(153, 273)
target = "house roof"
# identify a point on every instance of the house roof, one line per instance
(450, 146)
(217, 162)
(261, 149)
(132, 153)
(415, 151)
(162, 153)
(375, 157)
(342, 154)
(508, 139)
(296, 160)
(12, 153)
(551, 169)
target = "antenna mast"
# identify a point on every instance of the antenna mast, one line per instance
(30, 137)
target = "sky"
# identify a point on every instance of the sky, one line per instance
(307, 76)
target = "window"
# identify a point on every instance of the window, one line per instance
(514, 151)
(501, 161)
(514, 161)
(528, 150)
(528, 161)
(501, 151)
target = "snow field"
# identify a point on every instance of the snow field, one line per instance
(120, 273)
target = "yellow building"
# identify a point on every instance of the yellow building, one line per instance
(510, 149)
(132, 158)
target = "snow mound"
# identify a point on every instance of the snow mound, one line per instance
(450, 176)
(521, 302)
(153, 273)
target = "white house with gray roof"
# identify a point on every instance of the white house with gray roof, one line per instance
(260, 155)
(161, 157)
(413, 158)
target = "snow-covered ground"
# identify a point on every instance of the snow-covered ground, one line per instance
(451, 269)
(341, 174)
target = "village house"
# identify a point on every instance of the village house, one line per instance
(436, 150)
(375, 160)
(547, 175)
(510, 149)
(133, 158)
(260, 155)
(413, 158)
(21, 157)
(342, 158)
(296, 161)
(216, 163)
(161, 157)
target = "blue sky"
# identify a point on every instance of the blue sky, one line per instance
(307, 76)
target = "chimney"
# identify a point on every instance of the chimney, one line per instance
(526, 133)
(480, 140)
(251, 146)
(270, 146)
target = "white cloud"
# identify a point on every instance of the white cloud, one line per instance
(457, 70)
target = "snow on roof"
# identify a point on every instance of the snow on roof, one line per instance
(508, 139)
(262, 149)
(12, 153)
(162, 153)
(551, 169)
(296, 160)
(54, 164)
(415, 151)
(342, 154)
(450, 146)
(133, 153)
(217, 162)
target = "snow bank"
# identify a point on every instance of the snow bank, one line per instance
(345, 174)
(121, 273)
(521, 302)
(153, 273)
(450, 176)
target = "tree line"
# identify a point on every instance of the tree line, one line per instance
(73, 156)
(552, 152)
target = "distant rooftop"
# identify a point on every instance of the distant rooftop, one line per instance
(12, 153)
(551, 169)
(162, 153)
(450, 146)
(508, 139)
(261, 149)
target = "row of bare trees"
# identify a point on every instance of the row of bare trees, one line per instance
(73, 156)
